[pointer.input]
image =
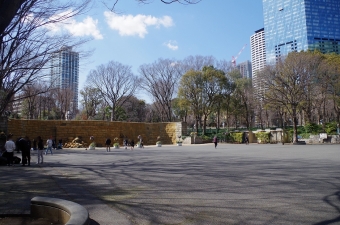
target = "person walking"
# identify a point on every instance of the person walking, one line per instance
(246, 139)
(108, 144)
(125, 142)
(215, 140)
(49, 143)
(9, 146)
(40, 150)
(132, 144)
(54, 144)
(140, 141)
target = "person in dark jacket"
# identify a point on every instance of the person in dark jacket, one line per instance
(215, 141)
(25, 147)
(40, 150)
(108, 144)
(132, 144)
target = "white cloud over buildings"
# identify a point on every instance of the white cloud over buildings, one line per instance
(87, 27)
(129, 25)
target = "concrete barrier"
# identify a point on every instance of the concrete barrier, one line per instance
(59, 210)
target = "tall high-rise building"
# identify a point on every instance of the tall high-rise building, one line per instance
(65, 73)
(245, 69)
(258, 56)
(296, 25)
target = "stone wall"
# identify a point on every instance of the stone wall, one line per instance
(315, 139)
(68, 130)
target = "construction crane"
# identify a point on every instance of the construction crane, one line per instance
(233, 59)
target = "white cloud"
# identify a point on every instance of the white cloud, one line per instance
(171, 45)
(88, 27)
(129, 25)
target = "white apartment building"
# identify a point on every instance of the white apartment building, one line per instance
(258, 57)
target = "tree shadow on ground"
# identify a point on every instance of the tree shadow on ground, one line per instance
(333, 203)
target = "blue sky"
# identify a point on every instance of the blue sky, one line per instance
(140, 34)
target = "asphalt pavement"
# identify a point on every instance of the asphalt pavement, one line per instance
(191, 184)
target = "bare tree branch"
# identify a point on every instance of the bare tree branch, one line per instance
(115, 82)
(26, 45)
(160, 80)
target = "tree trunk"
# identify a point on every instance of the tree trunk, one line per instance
(295, 121)
(218, 121)
(204, 124)
(197, 117)
(113, 113)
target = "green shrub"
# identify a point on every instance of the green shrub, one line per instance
(330, 128)
(236, 137)
(305, 135)
(263, 137)
(301, 130)
(313, 128)
(205, 137)
(93, 144)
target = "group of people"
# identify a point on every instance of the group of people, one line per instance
(126, 143)
(25, 145)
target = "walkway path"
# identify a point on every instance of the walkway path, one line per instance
(196, 184)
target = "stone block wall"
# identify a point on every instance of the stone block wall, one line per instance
(315, 139)
(68, 130)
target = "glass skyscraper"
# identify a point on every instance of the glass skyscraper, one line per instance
(65, 73)
(296, 25)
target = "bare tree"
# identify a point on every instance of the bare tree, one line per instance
(26, 45)
(91, 100)
(31, 100)
(287, 85)
(160, 79)
(332, 64)
(64, 99)
(115, 82)
(196, 63)
(185, 2)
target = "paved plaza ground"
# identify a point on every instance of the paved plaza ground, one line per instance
(193, 184)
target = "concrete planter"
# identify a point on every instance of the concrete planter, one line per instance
(179, 144)
(116, 147)
(159, 145)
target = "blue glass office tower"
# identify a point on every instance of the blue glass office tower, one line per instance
(65, 73)
(295, 25)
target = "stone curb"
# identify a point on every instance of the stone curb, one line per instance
(59, 210)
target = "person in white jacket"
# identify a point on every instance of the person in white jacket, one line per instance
(10, 147)
(49, 144)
